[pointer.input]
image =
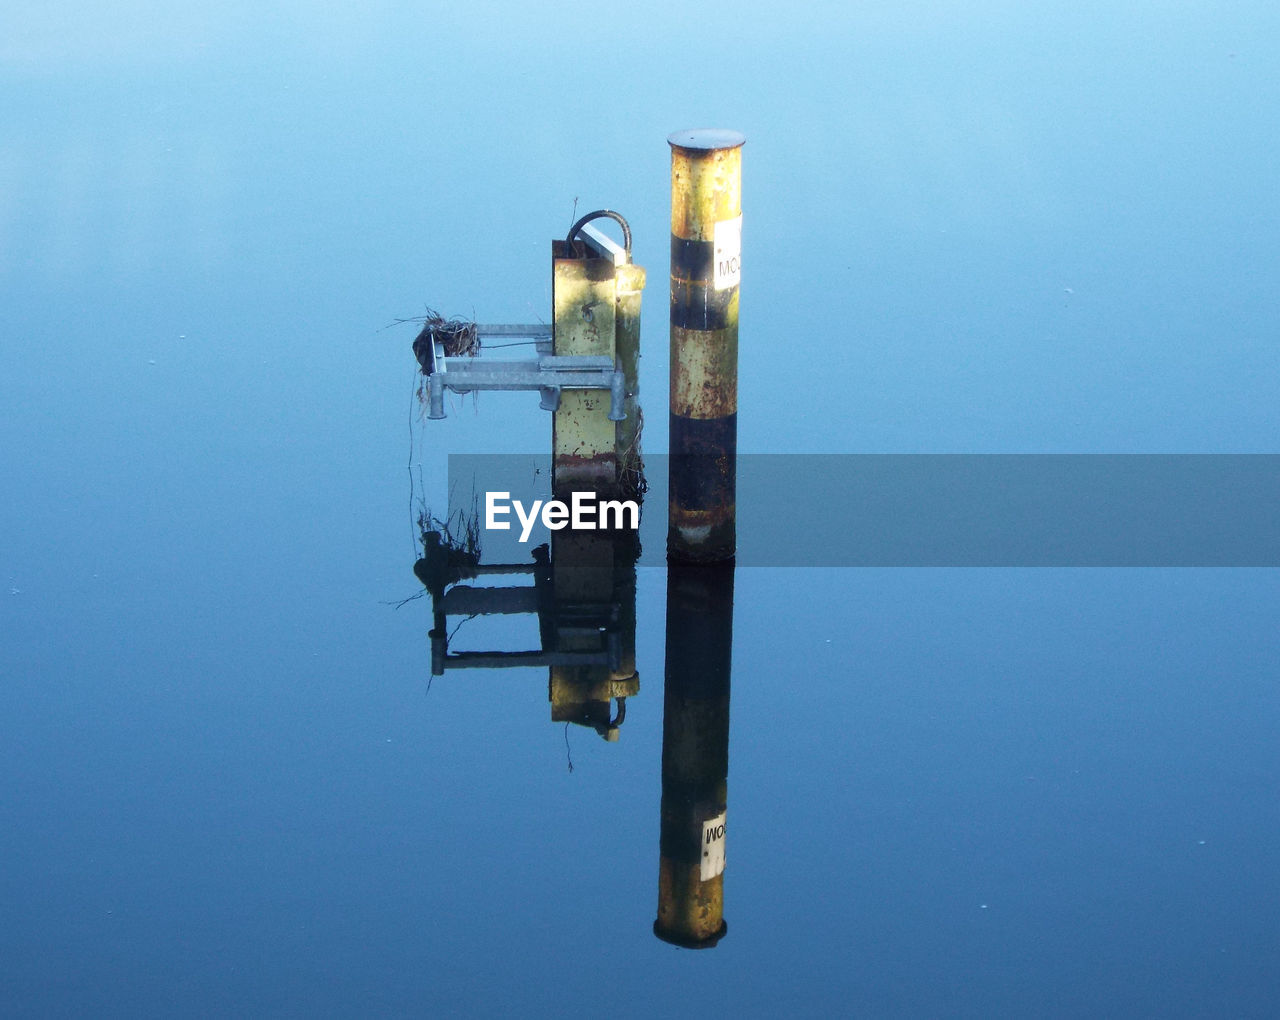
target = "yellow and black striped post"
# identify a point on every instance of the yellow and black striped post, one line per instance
(695, 755)
(706, 269)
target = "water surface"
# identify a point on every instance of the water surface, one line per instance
(231, 786)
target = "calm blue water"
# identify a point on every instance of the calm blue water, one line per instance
(229, 788)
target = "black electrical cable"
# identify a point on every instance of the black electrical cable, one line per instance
(600, 214)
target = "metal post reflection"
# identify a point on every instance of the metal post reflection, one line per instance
(594, 592)
(584, 596)
(695, 755)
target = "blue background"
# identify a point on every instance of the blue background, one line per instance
(969, 228)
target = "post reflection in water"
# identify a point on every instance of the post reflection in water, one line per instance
(594, 600)
(695, 755)
(584, 596)
(584, 582)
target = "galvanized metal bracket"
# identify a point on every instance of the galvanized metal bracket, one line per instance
(549, 375)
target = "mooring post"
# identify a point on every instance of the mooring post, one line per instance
(695, 754)
(596, 292)
(706, 269)
(583, 440)
(630, 280)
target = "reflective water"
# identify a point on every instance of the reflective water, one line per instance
(231, 785)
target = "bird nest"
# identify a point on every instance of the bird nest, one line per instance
(457, 337)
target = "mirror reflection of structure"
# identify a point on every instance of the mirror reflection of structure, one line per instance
(584, 596)
(580, 586)
(695, 755)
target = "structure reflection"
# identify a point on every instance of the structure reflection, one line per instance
(582, 584)
(695, 755)
(586, 372)
(583, 592)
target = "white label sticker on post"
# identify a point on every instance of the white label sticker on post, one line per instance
(712, 848)
(727, 257)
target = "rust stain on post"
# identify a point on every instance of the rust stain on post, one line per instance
(706, 188)
(706, 270)
(630, 284)
(704, 376)
(583, 297)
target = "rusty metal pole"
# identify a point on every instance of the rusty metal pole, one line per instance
(583, 439)
(630, 283)
(706, 269)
